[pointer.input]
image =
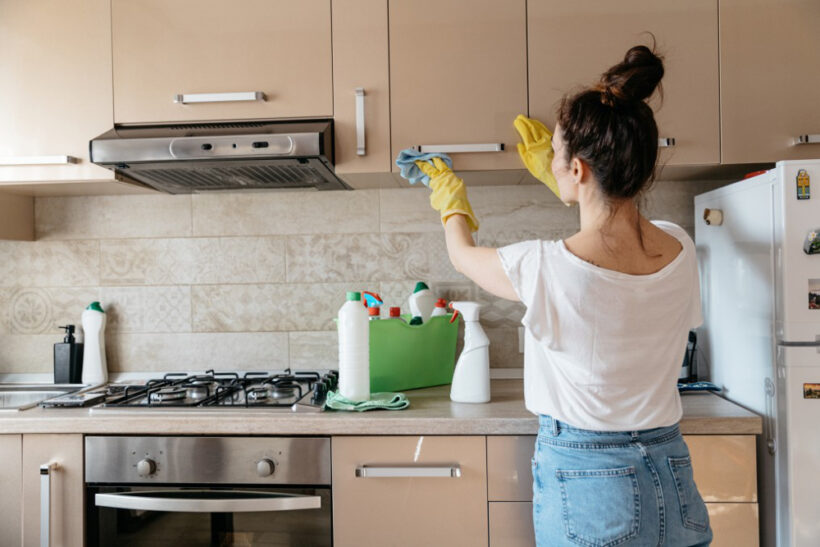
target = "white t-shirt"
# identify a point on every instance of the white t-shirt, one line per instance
(603, 349)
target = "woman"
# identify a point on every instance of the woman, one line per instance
(608, 312)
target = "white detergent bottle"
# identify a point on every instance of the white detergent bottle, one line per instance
(95, 368)
(354, 349)
(422, 301)
(471, 379)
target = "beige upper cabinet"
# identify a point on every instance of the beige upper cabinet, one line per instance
(572, 43)
(55, 88)
(191, 60)
(458, 78)
(769, 77)
(361, 86)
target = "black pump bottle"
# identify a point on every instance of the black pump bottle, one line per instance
(68, 359)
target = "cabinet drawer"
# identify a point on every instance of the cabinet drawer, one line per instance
(401, 489)
(734, 524)
(193, 47)
(724, 466)
(509, 468)
(511, 524)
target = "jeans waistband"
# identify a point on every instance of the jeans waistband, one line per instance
(552, 428)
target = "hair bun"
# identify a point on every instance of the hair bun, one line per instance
(633, 79)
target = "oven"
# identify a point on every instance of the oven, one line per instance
(219, 491)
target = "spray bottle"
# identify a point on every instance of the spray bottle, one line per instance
(471, 379)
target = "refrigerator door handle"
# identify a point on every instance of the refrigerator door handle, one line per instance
(768, 422)
(815, 344)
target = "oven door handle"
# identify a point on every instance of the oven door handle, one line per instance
(244, 502)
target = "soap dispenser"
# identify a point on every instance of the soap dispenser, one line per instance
(471, 379)
(68, 359)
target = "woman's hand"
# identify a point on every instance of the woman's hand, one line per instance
(449, 195)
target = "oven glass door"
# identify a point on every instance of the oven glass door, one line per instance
(216, 516)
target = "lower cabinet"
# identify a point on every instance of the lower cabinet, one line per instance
(415, 490)
(11, 479)
(52, 465)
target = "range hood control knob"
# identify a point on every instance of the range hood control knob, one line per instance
(146, 467)
(265, 467)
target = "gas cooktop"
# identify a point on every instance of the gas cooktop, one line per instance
(297, 391)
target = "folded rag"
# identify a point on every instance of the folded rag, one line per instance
(406, 162)
(386, 401)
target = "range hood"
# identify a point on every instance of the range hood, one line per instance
(207, 157)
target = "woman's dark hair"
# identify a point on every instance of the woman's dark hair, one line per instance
(611, 128)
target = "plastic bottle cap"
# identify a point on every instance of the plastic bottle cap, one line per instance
(354, 296)
(441, 303)
(96, 307)
(374, 310)
(395, 311)
(421, 286)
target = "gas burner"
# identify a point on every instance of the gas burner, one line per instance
(257, 393)
(167, 394)
(282, 392)
(198, 389)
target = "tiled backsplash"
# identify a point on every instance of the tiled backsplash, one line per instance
(253, 280)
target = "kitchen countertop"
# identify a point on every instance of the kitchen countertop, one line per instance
(430, 413)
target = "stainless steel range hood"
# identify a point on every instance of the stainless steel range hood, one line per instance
(207, 157)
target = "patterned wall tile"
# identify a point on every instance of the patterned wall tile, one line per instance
(100, 217)
(504, 348)
(28, 353)
(258, 308)
(273, 213)
(192, 261)
(49, 263)
(197, 352)
(335, 257)
(42, 310)
(675, 201)
(312, 350)
(147, 309)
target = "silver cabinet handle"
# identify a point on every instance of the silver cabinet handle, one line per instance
(360, 143)
(666, 142)
(39, 160)
(768, 423)
(807, 139)
(459, 148)
(45, 502)
(407, 471)
(243, 96)
(250, 502)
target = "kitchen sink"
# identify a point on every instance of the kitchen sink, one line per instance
(14, 397)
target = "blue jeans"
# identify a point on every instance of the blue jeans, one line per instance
(626, 488)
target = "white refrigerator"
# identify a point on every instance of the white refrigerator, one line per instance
(759, 256)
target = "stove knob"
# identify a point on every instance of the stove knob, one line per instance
(319, 392)
(265, 467)
(146, 467)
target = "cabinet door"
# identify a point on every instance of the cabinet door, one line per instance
(11, 456)
(361, 86)
(769, 76)
(572, 43)
(409, 491)
(511, 524)
(66, 488)
(734, 524)
(212, 49)
(724, 466)
(458, 78)
(55, 88)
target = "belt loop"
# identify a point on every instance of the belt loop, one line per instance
(555, 428)
(634, 435)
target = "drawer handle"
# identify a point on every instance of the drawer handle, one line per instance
(244, 96)
(45, 502)
(459, 148)
(39, 160)
(408, 471)
(360, 143)
(807, 139)
(666, 142)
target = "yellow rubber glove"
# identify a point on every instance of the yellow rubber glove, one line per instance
(536, 150)
(449, 195)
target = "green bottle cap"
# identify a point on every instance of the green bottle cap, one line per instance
(420, 286)
(355, 296)
(96, 307)
(416, 320)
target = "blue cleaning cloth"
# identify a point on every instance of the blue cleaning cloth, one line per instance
(406, 162)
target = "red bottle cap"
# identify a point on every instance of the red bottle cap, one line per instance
(441, 303)
(395, 312)
(374, 311)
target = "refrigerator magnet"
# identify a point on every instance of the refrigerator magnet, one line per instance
(814, 294)
(803, 185)
(811, 245)
(811, 391)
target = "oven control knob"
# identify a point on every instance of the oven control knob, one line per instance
(265, 467)
(146, 467)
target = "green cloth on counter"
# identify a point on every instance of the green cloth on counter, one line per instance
(385, 401)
